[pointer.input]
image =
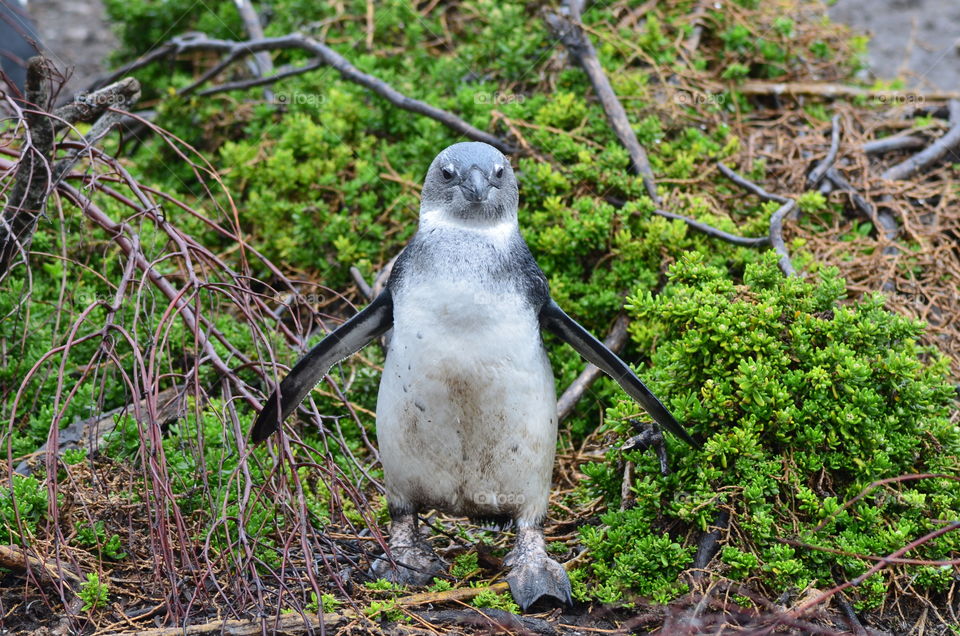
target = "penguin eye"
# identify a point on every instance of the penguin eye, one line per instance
(448, 172)
(498, 171)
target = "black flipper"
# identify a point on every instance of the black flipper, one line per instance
(555, 320)
(344, 341)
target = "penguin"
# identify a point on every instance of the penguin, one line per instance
(467, 407)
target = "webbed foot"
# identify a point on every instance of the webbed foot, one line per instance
(416, 564)
(533, 574)
(414, 561)
(537, 577)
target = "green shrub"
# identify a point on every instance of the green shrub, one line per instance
(24, 499)
(802, 401)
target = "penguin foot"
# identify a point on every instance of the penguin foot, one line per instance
(416, 564)
(537, 576)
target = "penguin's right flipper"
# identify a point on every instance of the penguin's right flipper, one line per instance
(553, 318)
(375, 320)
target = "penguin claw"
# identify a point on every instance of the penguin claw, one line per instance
(415, 565)
(536, 577)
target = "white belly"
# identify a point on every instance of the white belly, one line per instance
(466, 415)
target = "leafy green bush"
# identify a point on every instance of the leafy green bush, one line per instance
(803, 402)
(93, 593)
(25, 499)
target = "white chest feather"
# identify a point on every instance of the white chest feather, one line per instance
(466, 415)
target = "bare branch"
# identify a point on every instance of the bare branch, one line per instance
(288, 70)
(750, 186)
(813, 179)
(890, 144)
(570, 32)
(326, 56)
(841, 91)
(90, 106)
(28, 196)
(254, 29)
(100, 128)
(924, 159)
(709, 230)
(776, 237)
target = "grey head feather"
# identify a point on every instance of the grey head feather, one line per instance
(472, 181)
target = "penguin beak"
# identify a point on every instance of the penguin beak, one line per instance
(475, 187)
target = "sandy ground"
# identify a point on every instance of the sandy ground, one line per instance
(914, 39)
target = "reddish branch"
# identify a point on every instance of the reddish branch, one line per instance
(32, 182)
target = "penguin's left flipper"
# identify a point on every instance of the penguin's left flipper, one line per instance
(353, 335)
(555, 320)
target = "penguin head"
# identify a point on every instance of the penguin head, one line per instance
(471, 181)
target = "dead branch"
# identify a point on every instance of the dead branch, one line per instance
(840, 91)
(700, 226)
(925, 158)
(234, 50)
(305, 622)
(498, 621)
(362, 283)
(851, 616)
(252, 23)
(891, 144)
(126, 98)
(88, 107)
(933, 563)
(456, 594)
(813, 179)
(614, 342)
(750, 186)
(696, 19)
(28, 196)
(14, 557)
(90, 433)
(840, 183)
(776, 237)
(709, 230)
(283, 72)
(709, 543)
(888, 560)
(179, 300)
(569, 31)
